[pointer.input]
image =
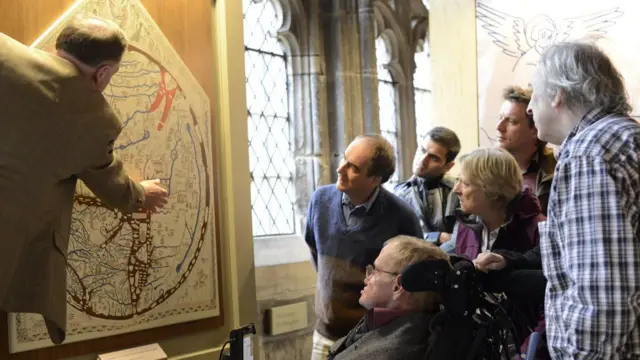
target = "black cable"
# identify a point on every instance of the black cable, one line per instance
(222, 351)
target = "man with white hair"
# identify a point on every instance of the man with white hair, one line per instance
(591, 241)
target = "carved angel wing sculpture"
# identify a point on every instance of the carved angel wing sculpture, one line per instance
(591, 25)
(506, 30)
(518, 37)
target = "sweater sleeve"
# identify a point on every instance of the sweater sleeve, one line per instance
(412, 225)
(517, 261)
(107, 178)
(309, 236)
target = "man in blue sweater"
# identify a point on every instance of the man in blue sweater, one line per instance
(347, 225)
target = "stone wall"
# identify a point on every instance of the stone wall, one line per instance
(333, 77)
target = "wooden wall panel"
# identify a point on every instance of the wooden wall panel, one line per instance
(188, 28)
(25, 20)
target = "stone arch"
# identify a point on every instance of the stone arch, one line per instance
(392, 27)
(419, 23)
(292, 28)
(296, 33)
(284, 23)
(387, 28)
(419, 44)
(419, 29)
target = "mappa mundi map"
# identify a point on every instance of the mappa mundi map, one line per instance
(137, 271)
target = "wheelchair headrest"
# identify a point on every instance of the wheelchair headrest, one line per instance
(457, 280)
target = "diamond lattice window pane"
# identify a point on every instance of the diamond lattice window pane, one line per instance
(270, 155)
(387, 107)
(389, 121)
(261, 21)
(422, 93)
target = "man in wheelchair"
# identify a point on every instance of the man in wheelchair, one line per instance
(396, 324)
(421, 304)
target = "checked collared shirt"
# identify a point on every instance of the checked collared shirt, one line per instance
(591, 242)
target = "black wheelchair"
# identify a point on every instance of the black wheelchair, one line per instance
(473, 323)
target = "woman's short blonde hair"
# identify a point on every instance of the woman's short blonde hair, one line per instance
(495, 171)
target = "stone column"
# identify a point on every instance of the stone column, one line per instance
(308, 91)
(366, 22)
(347, 27)
(318, 88)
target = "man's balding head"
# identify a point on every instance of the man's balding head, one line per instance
(93, 41)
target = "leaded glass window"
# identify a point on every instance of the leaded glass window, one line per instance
(270, 155)
(422, 92)
(387, 104)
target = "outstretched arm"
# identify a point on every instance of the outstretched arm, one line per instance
(108, 180)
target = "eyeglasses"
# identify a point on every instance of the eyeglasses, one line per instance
(371, 269)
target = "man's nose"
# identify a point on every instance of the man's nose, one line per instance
(425, 160)
(529, 110)
(500, 126)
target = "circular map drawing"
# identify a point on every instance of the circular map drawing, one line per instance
(129, 272)
(120, 266)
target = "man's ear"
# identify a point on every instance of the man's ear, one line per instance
(558, 99)
(377, 180)
(101, 73)
(397, 288)
(534, 131)
(449, 165)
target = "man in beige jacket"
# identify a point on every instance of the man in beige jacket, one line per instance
(57, 128)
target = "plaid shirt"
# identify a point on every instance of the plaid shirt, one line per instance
(591, 242)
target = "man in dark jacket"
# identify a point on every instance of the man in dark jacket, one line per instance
(517, 133)
(430, 191)
(499, 260)
(516, 273)
(396, 324)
